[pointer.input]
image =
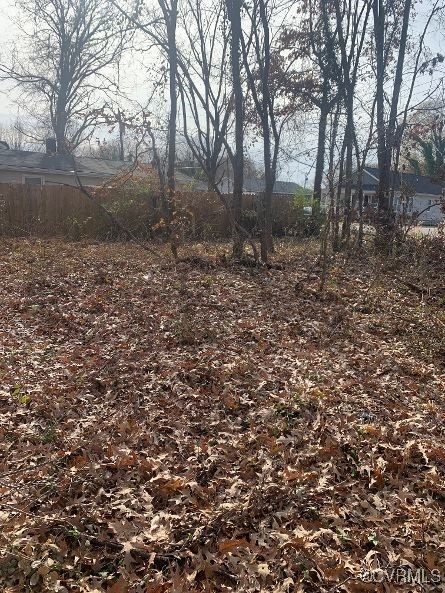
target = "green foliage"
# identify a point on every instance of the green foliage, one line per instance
(428, 146)
(302, 200)
(48, 435)
(78, 228)
(309, 216)
(430, 160)
(141, 187)
(21, 396)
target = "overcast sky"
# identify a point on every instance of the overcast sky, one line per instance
(135, 80)
(7, 107)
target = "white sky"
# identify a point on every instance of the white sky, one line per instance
(135, 79)
(7, 107)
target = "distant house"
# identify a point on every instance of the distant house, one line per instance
(186, 183)
(47, 168)
(414, 195)
(256, 187)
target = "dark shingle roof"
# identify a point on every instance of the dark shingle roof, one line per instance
(186, 182)
(88, 166)
(256, 186)
(418, 183)
(281, 187)
(23, 159)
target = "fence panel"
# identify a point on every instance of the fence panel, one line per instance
(63, 211)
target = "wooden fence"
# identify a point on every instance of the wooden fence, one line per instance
(50, 211)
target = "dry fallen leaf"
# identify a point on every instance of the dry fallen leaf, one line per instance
(211, 428)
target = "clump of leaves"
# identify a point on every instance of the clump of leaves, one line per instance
(184, 328)
(21, 395)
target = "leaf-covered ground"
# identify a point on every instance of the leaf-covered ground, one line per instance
(207, 427)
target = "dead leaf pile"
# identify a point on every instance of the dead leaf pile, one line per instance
(177, 427)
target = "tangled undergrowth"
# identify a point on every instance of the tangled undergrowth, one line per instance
(207, 427)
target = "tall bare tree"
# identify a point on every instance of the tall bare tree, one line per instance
(392, 33)
(169, 10)
(70, 48)
(207, 98)
(205, 87)
(14, 136)
(160, 28)
(234, 15)
(308, 76)
(259, 56)
(347, 29)
(386, 130)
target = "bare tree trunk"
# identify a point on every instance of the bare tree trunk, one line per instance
(170, 16)
(349, 140)
(322, 124)
(258, 68)
(211, 178)
(386, 133)
(324, 251)
(59, 123)
(234, 14)
(384, 159)
(360, 166)
(269, 182)
(336, 230)
(268, 116)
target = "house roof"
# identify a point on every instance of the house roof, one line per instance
(256, 186)
(20, 160)
(41, 162)
(421, 184)
(185, 180)
(281, 187)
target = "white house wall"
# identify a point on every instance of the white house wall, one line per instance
(420, 204)
(433, 213)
